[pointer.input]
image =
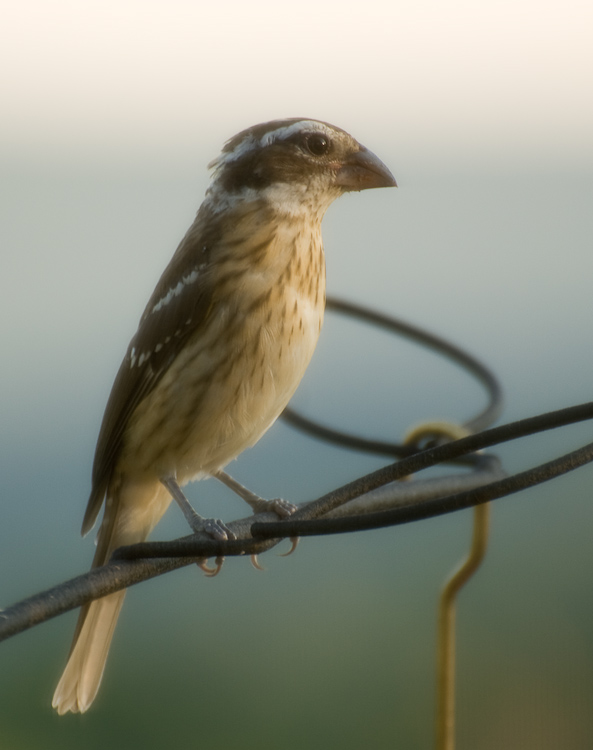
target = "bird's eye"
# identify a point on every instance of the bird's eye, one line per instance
(318, 144)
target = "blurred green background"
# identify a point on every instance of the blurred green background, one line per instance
(484, 114)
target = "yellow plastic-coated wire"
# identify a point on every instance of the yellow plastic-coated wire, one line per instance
(445, 715)
(445, 718)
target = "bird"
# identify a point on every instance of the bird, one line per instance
(220, 349)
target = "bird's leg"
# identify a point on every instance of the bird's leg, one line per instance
(211, 526)
(282, 508)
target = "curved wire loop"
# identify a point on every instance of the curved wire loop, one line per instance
(429, 340)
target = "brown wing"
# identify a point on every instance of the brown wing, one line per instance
(179, 305)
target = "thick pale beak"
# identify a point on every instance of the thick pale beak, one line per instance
(363, 170)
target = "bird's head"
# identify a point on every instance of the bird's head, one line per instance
(295, 165)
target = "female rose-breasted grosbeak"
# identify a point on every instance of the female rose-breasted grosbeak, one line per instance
(221, 347)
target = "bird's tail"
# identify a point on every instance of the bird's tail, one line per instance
(130, 515)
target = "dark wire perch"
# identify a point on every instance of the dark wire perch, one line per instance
(429, 340)
(140, 562)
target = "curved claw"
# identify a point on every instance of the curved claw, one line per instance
(255, 562)
(294, 543)
(211, 572)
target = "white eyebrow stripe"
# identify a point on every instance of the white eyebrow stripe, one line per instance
(249, 143)
(281, 133)
(176, 290)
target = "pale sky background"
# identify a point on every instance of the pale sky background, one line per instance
(484, 112)
(488, 79)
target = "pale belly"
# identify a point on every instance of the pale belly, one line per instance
(211, 406)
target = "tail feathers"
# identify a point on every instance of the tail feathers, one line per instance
(131, 512)
(80, 682)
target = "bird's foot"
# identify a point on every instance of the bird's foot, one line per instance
(282, 508)
(212, 527)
